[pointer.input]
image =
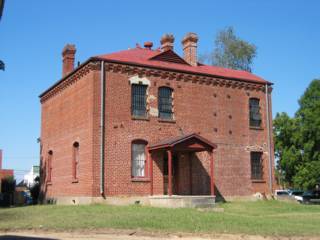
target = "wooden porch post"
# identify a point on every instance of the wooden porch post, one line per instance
(150, 160)
(211, 173)
(169, 172)
(190, 172)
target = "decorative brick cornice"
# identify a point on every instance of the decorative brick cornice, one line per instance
(69, 80)
(145, 71)
(186, 77)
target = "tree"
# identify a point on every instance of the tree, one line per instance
(8, 185)
(35, 190)
(231, 52)
(297, 140)
(1, 7)
(308, 116)
(308, 175)
(2, 66)
(286, 135)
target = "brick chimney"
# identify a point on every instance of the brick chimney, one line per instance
(68, 54)
(167, 41)
(0, 159)
(189, 43)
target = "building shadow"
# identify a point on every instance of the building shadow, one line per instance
(13, 237)
(219, 197)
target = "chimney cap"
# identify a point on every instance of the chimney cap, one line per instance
(148, 44)
(168, 37)
(192, 37)
(167, 42)
(69, 48)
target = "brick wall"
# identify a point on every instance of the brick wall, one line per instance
(66, 118)
(5, 173)
(219, 114)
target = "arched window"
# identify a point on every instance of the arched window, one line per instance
(49, 166)
(165, 103)
(255, 115)
(138, 158)
(75, 160)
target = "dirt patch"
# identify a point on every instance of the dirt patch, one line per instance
(132, 235)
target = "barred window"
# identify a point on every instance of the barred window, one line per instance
(255, 115)
(75, 162)
(256, 165)
(138, 159)
(165, 103)
(138, 101)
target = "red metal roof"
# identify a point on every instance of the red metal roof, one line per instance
(147, 57)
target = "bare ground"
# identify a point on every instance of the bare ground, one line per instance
(132, 235)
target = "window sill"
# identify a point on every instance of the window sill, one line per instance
(140, 118)
(256, 128)
(143, 179)
(49, 183)
(258, 181)
(166, 120)
(75, 181)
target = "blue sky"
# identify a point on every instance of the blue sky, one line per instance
(33, 33)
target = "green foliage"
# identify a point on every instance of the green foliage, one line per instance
(2, 66)
(297, 140)
(307, 175)
(285, 134)
(35, 190)
(8, 185)
(309, 119)
(231, 52)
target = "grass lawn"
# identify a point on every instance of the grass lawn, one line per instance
(261, 217)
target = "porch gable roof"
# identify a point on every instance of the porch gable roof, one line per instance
(198, 142)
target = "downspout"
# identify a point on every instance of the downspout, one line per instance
(102, 127)
(269, 138)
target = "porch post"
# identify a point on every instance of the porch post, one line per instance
(169, 172)
(150, 160)
(211, 173)
(190, 172)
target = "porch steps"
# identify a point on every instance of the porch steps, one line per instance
(203, 202)
(177, 201)
(208, 205)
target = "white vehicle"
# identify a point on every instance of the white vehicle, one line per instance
(296, 194)
(281, 193)
(298, 198)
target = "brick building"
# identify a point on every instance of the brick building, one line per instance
(147, 122)
(4, 173)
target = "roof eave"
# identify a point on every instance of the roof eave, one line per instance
(65, 77)
(181, 71)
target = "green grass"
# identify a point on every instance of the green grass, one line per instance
(261, 217)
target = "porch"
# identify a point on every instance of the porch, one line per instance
(188, 180)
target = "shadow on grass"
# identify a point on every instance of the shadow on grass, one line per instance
(13, 237)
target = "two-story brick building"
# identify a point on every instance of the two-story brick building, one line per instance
(147, 122)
